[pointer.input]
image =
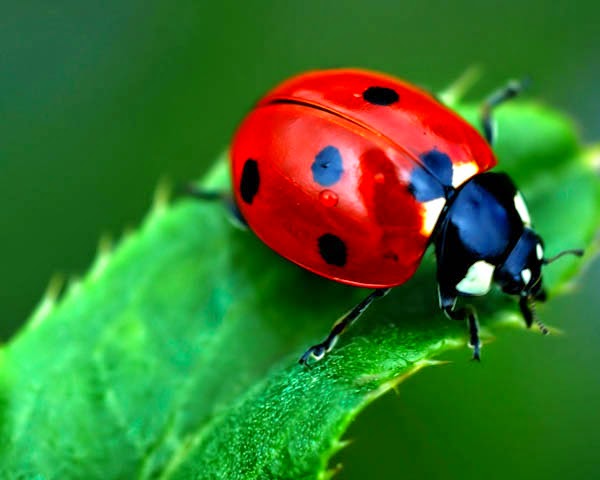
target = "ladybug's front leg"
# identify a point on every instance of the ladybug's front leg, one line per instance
(317, 352)
(467, 313)
(212, 195)
(527, 307)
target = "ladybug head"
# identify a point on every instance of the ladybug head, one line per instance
(521, 272)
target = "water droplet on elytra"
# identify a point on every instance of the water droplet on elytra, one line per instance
(379, 177)
(328, 198)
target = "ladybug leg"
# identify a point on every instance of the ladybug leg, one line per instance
(527, 308)
(317, 352)
(511, 90)
(213, 195)
(467, 313)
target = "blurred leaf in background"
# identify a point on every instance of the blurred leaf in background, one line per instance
(100, 99)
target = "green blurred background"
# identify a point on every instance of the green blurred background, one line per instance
(100, 99)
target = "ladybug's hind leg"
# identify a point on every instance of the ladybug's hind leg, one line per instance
(317, 352)
(467, 313)
(510, 90)
(214, 195)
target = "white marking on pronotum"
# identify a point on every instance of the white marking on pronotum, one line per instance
(526, 276)
(522, 209)
(462, 172)
(431, 213)
(539, 250)
(478, 279)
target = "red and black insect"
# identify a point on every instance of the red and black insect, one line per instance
(352, 174)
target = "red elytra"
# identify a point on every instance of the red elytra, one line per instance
(322, 170)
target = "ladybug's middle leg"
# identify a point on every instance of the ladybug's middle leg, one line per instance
(467, 313)
(214, 195)
(511, 90)
(317, 352)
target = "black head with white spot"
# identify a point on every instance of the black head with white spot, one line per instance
(521, 272)
(486, 238)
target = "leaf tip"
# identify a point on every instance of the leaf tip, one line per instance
(105, 246)
(432, 362)
(592, 158)
(329, 473)
(456, 91)
(48, 301)
(417, 366)
(162, 195)
(73, 286)
(555, 331)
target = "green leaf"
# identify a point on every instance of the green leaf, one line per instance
(176, 356)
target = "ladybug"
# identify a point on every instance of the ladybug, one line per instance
(352, 174)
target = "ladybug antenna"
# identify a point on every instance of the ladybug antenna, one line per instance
(578, 252)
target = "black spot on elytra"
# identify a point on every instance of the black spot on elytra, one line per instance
(332, 249)
(380, 96)
(250, 181)
(391, 256)
(433, 181)
(327, 168)
(439, 164)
